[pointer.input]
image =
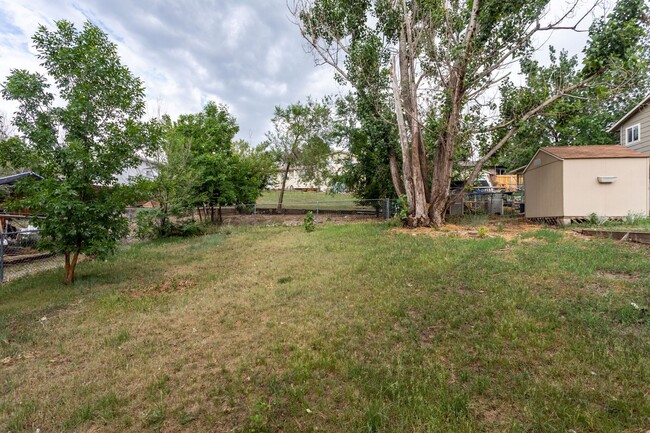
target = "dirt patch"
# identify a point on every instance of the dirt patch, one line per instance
(505, 229)
(617, 276)
(172, 285)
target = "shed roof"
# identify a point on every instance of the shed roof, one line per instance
(10, 180)
(591, 152)
(629, 114)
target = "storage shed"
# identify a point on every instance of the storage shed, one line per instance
(572, 182)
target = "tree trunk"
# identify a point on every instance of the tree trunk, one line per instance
(219, 216)
(284, 183)
(211, 214)
(394, 173)
(70, 266)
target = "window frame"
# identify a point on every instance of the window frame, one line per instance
(627, 130)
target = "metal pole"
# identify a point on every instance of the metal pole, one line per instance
(2, 256)
(387, 212)
(255, 214)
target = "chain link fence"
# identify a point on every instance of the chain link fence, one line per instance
(294, 212)
(19, 253)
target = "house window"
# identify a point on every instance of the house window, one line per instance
(632, 134)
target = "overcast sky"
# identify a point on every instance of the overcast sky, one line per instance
(244, 53)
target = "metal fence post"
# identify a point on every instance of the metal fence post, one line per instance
(255, 214)
(2, 256)
(387, 211)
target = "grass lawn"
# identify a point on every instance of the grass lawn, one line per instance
(309, 200)
(352, 328)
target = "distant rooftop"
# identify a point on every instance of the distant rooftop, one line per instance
(598, 151)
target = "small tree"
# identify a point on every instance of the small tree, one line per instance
(176, 178)
(301, 138)
(81, 146)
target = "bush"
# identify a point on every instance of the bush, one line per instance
(149, 225)
(309, 223)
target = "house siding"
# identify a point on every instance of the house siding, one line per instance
(642, 117)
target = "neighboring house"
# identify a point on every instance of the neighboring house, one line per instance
(146, 169)
(634, 127)
(572, 182)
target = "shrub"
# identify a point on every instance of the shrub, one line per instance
(309, 223)
(482, 232)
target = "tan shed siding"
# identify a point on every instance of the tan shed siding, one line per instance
(643, 119)
(544, 188)
(584, 195)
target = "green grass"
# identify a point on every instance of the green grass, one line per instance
(310, 201)
(351, 328)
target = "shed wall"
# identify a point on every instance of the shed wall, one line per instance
(583, 194)
(544, 194)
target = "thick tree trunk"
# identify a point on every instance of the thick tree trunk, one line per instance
(404, 95)
(284, 184)
(394, 173)
(70, 266)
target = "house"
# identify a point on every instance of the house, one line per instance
(564, 183)
(634, 127)
(146, 168)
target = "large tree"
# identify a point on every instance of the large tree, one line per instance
(301, 138)
(445, 60)
(80, 145)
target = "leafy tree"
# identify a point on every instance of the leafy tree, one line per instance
(210, 135)
(81, 146)
(224, 172)
(444, 61)
(301, 137)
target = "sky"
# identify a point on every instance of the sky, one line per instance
(246, 54)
